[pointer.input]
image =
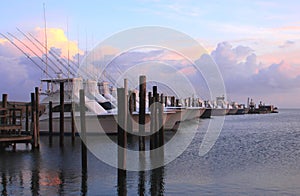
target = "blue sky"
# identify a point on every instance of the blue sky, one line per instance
(268, 30)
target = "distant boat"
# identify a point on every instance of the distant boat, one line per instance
(261, 109)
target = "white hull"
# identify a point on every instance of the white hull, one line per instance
(107, 123)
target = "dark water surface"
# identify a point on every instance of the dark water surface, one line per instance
(254, 155)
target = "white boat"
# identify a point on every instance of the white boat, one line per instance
(101, 113)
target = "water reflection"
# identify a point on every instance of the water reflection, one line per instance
(254, 154)
(4, 183)
(35, 174)
(84, 186)
(157, 181)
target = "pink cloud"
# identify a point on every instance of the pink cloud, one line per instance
(55, 38)
(189, 70)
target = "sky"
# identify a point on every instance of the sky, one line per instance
(256, 44)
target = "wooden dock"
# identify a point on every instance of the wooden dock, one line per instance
(12, 130)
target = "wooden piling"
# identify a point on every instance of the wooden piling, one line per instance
(73, 124)
(172, 101)
(166, 101)
(122, 121)
(26, 118)
(61, 114)
(150, 100)
(14, 114)
(33, 124)
(122, 139)
(153, 136)
(177, 102)
(160, 125)
(130, 111)
(37, 117)
(83, 130)
(161, 100)
(4, 105)
(50, 119)
(142, 112)
(134, 101)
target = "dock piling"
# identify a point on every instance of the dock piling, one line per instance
(61, 115)
(50, 119)
(142, 112)
(37, 116)
(83, 130)
(122, 138)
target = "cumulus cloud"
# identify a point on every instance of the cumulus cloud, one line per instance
(244, 75)
(286, 44)
(19, 75)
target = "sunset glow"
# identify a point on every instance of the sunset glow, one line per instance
(248, 40)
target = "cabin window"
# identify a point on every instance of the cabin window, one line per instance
(67, 108)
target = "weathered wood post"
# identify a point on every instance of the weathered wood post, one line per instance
(177, 102)
(14, 114)
(37, 116)
(73, 124)
(61, 114)
(33, 124)
(160, 124)
(26, 118)
(122, 118)
(50, 119)
(161, 98)
(153, 136)
(83, 130)
(134, 101)
(166, 101)
(130, 111)
(172, 101)
(4, 105)
(142, 112)
(150, 100)
(122, 140)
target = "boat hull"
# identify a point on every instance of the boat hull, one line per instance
(219, 112)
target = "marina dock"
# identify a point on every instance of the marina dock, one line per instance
(14, 123)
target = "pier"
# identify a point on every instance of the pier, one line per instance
(14, 125)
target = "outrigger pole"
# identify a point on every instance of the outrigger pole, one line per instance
(49, 52)
(38, 55)
(47, 74)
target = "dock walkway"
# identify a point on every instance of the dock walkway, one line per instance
(12, 130)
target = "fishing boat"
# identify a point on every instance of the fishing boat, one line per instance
(220, 107)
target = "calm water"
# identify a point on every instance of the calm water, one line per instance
(254, 155)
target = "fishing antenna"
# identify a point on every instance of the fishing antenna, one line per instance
(47, 74)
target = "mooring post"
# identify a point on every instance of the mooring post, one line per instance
(4, 105)
(26, 118)
(153, 136)
(83, 130)
(73, 124)
(61, 114)
(166, 101)
(150, 100)
(161, 98)
(37, 116)
(50, 119)
(130, 111)
(122, 139)
(177, 102)
(134, 100)
(142, 112)
(172, 101)
(33, 124)
(14, 114)
(122, 119)
(157, 126)
(160, 125)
